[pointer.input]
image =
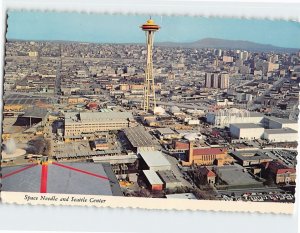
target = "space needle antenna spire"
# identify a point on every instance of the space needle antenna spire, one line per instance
(149, 86)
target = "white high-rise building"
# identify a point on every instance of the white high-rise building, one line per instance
(244, 55)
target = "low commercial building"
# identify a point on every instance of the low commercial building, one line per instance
(90, 122)
(248, 131)
(140, 139)
(153, 180)
(207, 156)
(101, 144)
(248, 158)
(169, 179)
(281, 135)
(129, 158)
(166, 133)
(206, 176)
(193, 122)
(154, 160)
(281, 173)
(235, 176)
(35, 115)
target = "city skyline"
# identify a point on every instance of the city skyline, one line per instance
(26, 25)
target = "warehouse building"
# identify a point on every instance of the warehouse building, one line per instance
(154, 160)
(153, 180)
(223, 118)
(166, 133)
(281, 135)
(169, 179)
(248, 131)
(33, 116)
(279, 123)
(248, 158)
(90, 122)
(140, 139)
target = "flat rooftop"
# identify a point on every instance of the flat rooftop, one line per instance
(250, 155)
(247, 125)
(154, 158)
(235, 175)
(281, 120)
(167, 176)
(116, 159)
(85, 117)
(280, 131)
(186, 131)
(139, 137)
(99, 116)
(152, 177)
(163, 131)
(35, 112)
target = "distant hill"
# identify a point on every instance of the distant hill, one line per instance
(228, 44)
(204, 43)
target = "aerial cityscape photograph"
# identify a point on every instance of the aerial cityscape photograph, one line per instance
(150, 106)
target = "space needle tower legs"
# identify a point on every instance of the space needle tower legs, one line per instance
(149, 86)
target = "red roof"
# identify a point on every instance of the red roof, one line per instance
(209, 151)
(92, 105)
(206, 172)
(181, 145)
(279, 168)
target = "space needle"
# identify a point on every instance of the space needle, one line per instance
(149, 89)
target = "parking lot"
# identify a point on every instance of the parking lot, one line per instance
(273, 196)
(288, 157)
(23, 99)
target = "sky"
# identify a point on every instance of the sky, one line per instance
(106, 28)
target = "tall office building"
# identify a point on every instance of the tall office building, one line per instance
(149, 90)
(243, 55)
(224, 81)
(215, 82)
(208, 80)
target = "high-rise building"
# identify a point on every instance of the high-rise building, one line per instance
(149, 90)
(218, 52)
(224, 81)
(215, 82)
(208, 80)
(243, 55)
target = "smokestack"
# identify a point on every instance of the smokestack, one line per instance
(191, 152)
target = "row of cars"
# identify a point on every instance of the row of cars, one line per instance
(289, 157)
(261, 197)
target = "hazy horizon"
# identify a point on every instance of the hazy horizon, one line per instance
(124, 29)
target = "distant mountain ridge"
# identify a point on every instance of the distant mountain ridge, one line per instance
(200, 44)
(227, 44)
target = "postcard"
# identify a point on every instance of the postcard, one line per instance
(150, 111)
